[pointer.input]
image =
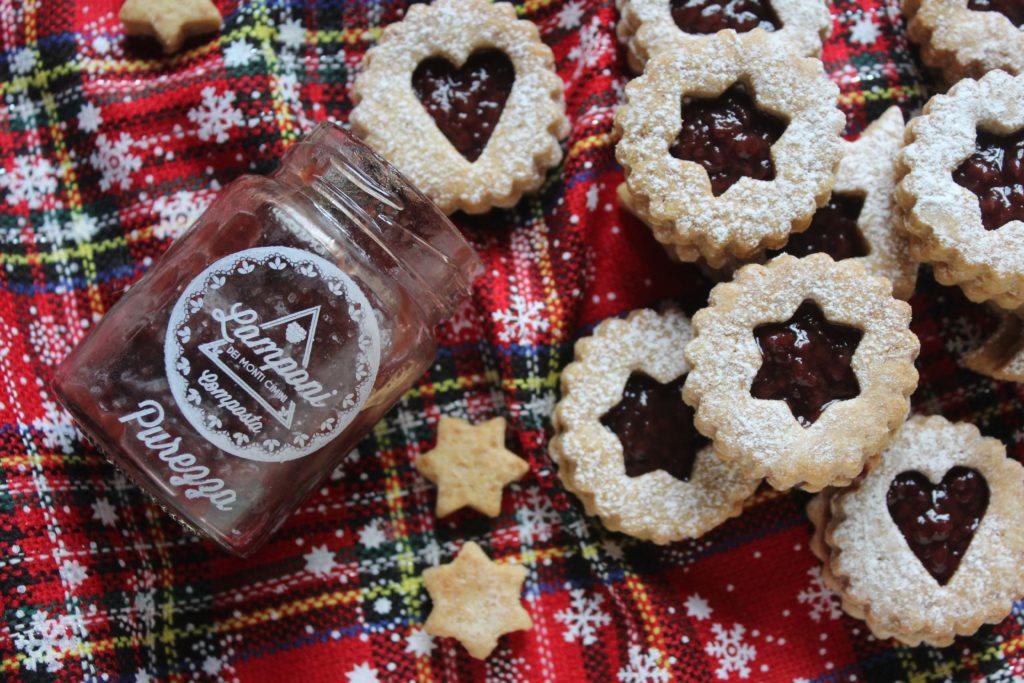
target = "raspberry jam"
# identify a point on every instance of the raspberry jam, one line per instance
(711, 16)
(938, 520)
(1011, 9)
(233, 377)
(833, 231)
(655, 427)
(729, 136)
(995, 172)
(466, 102)
(806, 363)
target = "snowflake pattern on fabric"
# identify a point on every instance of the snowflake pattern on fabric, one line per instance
(216, 116)
(115, 161)
(537, 518)
(822, 601)
(522, 321)
(594, 46)
(583, 618)
(643, 667)
(363, 673)
(48, 640)
(732, 652)
(698, 608)
(865, 31)
(31, 181)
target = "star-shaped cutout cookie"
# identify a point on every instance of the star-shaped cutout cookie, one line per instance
(471, 465)
(476, 600)
(170, 21)
(806, 362)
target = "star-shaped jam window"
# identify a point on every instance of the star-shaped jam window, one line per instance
(655, 427)
(805, 361)
(476, 600)
(996, 175)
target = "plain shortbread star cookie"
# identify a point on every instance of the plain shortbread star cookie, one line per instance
(170, 21)
(471, 465)
(476, 601)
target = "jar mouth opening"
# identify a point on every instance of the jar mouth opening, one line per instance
(437, 251)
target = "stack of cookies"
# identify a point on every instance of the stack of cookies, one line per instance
(799, 371)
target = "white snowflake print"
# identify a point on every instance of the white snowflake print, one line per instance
(239, 53)
(732, 652)
(101, 44)
(24, 61)
(73, 573)
(319, 561)
(821, 600)
(177, 212)
(216, 116)
(104, 512)
(419, 643)
(522, 321)
(212, 666)
(292, 34)
(570, 15)
(115, 161)
(142, 676)
(372, 536)
(59, 432)
(697, 607)
(864, 31)
(24, 108)
(643, 667)
(537, 518)
(539, 406)
(90, 117)
(594, 43)
(144, 604)
(31, 181)
(583, 618)
(83, 227)
(48, 640)
(382, 605)
(593, 197)
(363, 673)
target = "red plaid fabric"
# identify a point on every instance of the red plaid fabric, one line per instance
(108, 151)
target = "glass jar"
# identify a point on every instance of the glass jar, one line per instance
(270, 338)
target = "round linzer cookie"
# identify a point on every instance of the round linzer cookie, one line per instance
(625, 442)
(801, 369)
(748, 158)
(861, 219)
(929, 545)
(647, 27)
(961, 188)
(967, 38)
(464, 99)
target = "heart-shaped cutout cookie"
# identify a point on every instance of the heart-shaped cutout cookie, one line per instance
(466, 102)
(938, 520)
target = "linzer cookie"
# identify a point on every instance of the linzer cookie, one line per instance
(728, 146)
(929, 545)
(801, 369)
(861, 219)
(465, 100)
(1002, 355)
(963, 188)
(967, 38)
(625, 442)
(647, 27)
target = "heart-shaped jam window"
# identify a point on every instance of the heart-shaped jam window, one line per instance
(938, 520)
(466, 102)
(655, 427)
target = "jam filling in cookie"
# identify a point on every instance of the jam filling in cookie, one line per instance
(938, 520)
(806, 362)
(729, 136)
(466, 102)
(833, 231)
(1011, 9)
(711, 16)
(655, 427)
(995, 172)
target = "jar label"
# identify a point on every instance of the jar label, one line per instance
(271, 353)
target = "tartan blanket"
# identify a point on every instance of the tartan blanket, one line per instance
(108, 151)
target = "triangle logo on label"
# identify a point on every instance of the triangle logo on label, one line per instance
(296, 330)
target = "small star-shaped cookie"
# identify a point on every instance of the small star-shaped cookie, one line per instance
(170, 21)
(476, 600)
(471, 465)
